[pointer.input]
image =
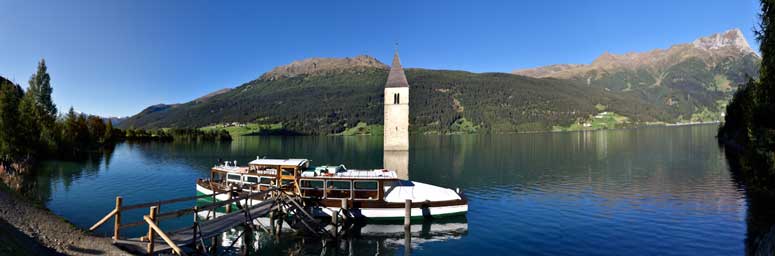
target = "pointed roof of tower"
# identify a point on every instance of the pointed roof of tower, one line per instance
(396, 78)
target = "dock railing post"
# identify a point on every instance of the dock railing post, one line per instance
(117, 220)
(151, 243)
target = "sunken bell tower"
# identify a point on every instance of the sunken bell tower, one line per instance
(396, 116)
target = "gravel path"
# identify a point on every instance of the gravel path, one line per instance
(44, 233)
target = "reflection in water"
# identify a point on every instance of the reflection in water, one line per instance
(398, 161)
(372, 239)
(658, 190)
(760, 235)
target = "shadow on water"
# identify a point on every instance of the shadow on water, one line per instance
(760, 215)
(37, 184)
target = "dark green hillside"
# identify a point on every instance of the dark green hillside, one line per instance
(683, 89)
(321, 104)
(441, 101)
(501, 102)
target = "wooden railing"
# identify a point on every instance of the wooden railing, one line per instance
(117, 211)
(154, 217)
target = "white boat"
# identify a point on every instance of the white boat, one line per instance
(372, 194)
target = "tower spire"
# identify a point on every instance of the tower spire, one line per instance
(396, 77)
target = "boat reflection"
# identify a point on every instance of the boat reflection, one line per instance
(367, 239)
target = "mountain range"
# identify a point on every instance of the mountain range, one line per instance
(686, 82)
(686, 78)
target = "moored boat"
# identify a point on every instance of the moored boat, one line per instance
(376, 194)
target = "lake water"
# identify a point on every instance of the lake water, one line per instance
(647, 191)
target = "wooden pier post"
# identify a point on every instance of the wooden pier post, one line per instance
(247, 240)
(214, 245)
(228, 206)
(271, 220)
(335, 223)
(280, 225)
(151, 243)
(344, 209)
(117, 220)
(408, 227)
(197, 246)
(407, 242)
(407, 213)
(213, 211)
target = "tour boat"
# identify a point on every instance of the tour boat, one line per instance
(372, 194)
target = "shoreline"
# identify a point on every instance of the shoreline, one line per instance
(34, 230)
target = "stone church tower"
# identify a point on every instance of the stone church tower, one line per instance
(396, 135)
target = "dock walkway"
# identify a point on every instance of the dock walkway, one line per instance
(279, 205)
(206, 230)
(192, 237)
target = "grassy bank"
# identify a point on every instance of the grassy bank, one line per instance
(248, 129)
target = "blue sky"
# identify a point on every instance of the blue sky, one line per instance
(118, 57)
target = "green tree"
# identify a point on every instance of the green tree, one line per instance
(11, 145)
(37, 110)
(82, 126)
(69, 130)
(749, 121)
(96, 130)
(40, 89)
(765, 34)
(107, 137)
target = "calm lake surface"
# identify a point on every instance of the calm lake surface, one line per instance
(647, 191)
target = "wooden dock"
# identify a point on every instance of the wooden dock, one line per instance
(280, 206)
(191, 236)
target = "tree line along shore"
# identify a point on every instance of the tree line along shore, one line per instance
(31, 127)
(748, 133)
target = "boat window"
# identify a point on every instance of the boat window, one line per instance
(251, 179)
(338, 189)
(311, 183)
(365, 185)
(267, 180)
(265, 183)
(311, 188)
(286, 182)
(233, 177)
(287, 172)
(365, 190)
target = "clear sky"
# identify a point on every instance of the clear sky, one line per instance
(114, 58)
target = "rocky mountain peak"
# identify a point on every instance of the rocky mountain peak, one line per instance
(730, 43)
(731, 38)
(317, 66)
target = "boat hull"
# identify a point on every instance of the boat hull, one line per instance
(387, 213)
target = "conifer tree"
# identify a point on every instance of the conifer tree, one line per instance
(108, 136)
(10, 143)
(38, 112)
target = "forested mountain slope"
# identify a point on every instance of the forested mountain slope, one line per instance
(440, 101)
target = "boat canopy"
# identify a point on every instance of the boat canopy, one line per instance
(340, 171)
(280, 162)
